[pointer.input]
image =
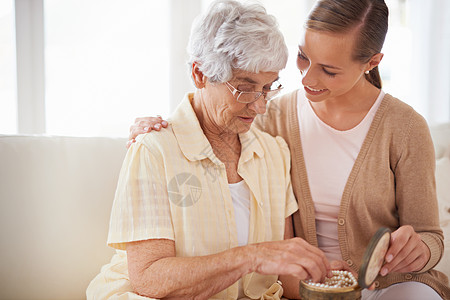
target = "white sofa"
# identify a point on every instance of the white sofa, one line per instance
(55, 198)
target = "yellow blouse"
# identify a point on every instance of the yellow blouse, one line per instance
(172, 186)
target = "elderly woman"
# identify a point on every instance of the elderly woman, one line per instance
(203, 208)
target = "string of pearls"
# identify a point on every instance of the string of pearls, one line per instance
(340, 279)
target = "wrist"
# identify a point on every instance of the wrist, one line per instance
(248, 260)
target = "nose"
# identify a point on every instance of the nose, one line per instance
(309, 78)
(259, 105)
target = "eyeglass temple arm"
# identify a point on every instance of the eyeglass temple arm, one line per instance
(232, 89)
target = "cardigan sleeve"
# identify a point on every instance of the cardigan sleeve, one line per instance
(416, 187)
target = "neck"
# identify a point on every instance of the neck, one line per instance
(216, 135)
(359, 99)
(348, 110)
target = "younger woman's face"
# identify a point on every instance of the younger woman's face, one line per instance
(325, 61)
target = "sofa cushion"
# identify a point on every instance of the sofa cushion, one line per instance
(441, 139)
(56, 195)
(443, 195)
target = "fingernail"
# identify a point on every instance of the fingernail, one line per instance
(389, 258)
(164, 123)
(145, 128)
(157, 126)
(383, 272)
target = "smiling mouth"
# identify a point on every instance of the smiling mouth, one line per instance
(314, 90)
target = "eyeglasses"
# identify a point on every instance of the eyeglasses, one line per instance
(249, 97)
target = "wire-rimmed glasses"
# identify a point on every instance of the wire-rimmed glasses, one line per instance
(249, 97)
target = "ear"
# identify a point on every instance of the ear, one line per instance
(374, 61)
(197, 76)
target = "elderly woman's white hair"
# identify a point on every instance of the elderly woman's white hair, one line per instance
(233, 35)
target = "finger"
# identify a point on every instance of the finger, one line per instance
(316, 264)
(150, 122)
(399, 239)
(137, 131)
(310, 258)
(297, 271)
(313, 269)
(129, 142)
(323, 260)
(414, 266)
(310, 248)
(147, 121)
(408, 253)
(417, 259)
(164, 123)
(403, 259)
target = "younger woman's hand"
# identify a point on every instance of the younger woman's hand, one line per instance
(407, 252)
(144, 125)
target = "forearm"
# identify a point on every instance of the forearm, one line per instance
(189, 277)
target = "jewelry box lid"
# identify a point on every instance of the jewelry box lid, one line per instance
(373, 258)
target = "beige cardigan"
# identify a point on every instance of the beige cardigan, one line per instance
(391, 184)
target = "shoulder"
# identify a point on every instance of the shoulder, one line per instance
(400, 119)
(398, 112)
(158, 141)
(406, 128)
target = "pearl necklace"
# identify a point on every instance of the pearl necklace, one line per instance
(340, 279)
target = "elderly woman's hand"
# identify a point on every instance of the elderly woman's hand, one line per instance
(294, 257)
(144, 125)
(407, 252)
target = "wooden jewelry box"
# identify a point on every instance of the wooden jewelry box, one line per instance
(343, 286)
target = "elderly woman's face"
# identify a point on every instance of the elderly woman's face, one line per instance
(228, 115)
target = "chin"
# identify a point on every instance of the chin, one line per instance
(243, 128)
(315, 99)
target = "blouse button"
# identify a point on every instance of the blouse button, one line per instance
(408, 276)
(349, 262)
(341, 222)
(377, 284)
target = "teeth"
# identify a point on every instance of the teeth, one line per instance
(314, 90)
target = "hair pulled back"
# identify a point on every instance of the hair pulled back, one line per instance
(369, 17)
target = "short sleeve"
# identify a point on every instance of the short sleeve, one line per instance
(141, 208)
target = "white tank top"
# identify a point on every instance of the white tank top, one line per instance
(240, 195)
(329, 157)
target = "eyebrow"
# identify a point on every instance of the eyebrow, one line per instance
(323, 65)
